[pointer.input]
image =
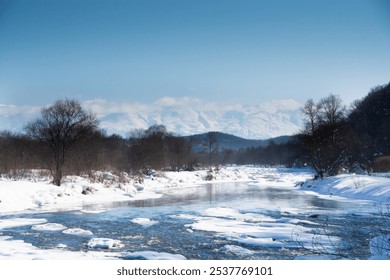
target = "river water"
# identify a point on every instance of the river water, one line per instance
(351, 224)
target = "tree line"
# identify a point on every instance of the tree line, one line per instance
(67, 140)
(336, 139)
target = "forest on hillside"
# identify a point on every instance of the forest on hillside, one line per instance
(67, 140)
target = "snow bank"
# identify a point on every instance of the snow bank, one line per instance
(364, 187)
(18, 249)
(18, 222)
(19, 196)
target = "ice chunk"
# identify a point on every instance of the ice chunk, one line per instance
(77, 231)
(49, 227)
(104, 243)
(236, 250)
(144, 222)
(151, 255)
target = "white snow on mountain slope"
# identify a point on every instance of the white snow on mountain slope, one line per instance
(188, 116)
(183, 116)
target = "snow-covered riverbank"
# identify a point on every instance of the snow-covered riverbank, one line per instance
(39, 195)
(363, 187)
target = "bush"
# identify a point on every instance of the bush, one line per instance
(381, 164)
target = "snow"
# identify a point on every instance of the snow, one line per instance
(18, 249)
(18, 222)
(183, 116)
(151, 255)
(23, 195)
(49, 227)
(146, 222)
(236, 250)
(242, 226)
(77, 231)
(362, 187)
(252, 229)
(104, 243)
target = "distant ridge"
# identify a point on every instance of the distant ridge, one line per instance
(227, 141)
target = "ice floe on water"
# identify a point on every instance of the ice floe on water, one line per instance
(104, 243)
(20, 250)
(256, 230)
(49, 227)
(146, 222)
(236, 250)
(151, 255)
(230, 213)
(77, 231)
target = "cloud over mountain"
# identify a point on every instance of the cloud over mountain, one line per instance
(184, 116)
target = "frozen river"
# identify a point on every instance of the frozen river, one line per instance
(215, 221)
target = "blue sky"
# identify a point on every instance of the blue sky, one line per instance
(227, 51)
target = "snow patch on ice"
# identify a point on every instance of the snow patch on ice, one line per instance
(77, 231)
(151, 255)
(256, 230)
(104, 243)
(49, 227)
(236, 250)
(144, 222)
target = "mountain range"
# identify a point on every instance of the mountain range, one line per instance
(182, 116)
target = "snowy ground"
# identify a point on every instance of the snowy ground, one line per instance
(39, 195)
(245, 229)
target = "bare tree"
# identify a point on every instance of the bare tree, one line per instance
(325, 138)
(333, 110)
(311, 113)
(60, 127)
(211, 144)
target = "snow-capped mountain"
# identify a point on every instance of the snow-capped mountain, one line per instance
(191, 116)
(183, 116)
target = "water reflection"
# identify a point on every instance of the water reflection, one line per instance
(237, 194)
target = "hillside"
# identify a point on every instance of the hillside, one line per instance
(228, 141)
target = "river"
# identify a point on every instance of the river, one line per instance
(218, 221)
